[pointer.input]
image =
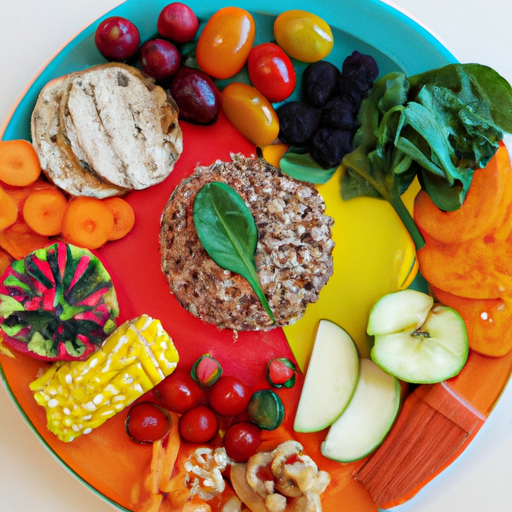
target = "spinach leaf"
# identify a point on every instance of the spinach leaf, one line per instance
(227, 230)
(439, 126)
(301, 166)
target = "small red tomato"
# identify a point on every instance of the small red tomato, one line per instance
(229, 396)
(179, 392)
(242, 440)
(177, 22)
(199, 425)
(160, 59)
(146, 422)
(116, 38)
(271, 71)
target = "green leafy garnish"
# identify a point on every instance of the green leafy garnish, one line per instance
(228, 233)
(299, 164)
(439, 126)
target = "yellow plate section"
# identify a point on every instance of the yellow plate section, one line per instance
(374, 255)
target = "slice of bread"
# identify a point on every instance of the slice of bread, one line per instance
(105, 131)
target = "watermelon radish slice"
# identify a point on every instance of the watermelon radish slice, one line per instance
(59, 303)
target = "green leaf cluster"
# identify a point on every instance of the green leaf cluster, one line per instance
(439, 126)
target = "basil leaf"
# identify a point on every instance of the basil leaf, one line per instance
(227, 230)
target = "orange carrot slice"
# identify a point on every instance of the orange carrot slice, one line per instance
(5, 260)
(124, 216)
(20, 242)
(44, 210)
(19, 163)
(8, 210)
(87, 223)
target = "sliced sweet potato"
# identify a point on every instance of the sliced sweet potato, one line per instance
(488, 321)
(484, 207)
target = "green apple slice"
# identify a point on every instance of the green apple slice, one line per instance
(368, 418)
(404, 310)
(330, 380)
(434, 352)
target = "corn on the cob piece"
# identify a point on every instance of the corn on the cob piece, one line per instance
(81, 395)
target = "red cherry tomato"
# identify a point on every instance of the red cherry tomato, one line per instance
(271, 71)
(179, 392)
(199, 425)
(146, 422)
(242, 440)
(229, 396)
(225, 42)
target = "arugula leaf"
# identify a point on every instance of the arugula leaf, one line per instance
(439, 126)
(227, 230)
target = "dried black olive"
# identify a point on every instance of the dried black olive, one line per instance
(339, 113)
(360, 69)
(328, 146)
(319, 82)
(297, 122)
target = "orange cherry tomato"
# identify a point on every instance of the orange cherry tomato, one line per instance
(251, 113)
(303, 35)
(225, 42)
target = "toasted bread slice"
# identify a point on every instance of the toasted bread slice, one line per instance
(110, 123)
(59, 163)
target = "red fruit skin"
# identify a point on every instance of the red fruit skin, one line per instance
(146, 423)
(178, 23)
(199, 425)
(196, 95)
(117, 38)
(160, 59)
(229, 396)
(271, 71)
(179, 392)
(242, 441)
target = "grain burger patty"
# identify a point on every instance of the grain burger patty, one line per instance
(293, 254)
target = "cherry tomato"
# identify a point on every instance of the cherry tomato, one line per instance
(199, 425)
(146, 422)
(242, 440)
(229, 396)
(271, 71)
(303, 35)
(225, 42)
(251, 113)
(179, 392)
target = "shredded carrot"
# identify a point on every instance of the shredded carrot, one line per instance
(124, 216)
(8, 210)
(44, 210)
(19, 163)
(87, 223)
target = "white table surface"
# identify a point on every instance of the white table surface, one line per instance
(30, 478)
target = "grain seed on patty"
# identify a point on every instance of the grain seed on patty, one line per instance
(293, 254)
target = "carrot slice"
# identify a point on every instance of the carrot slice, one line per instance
(19, 163)
(87, 222)
(124, 216)
(20, 242)
(8, 210)
(5, 260)
(44, 210)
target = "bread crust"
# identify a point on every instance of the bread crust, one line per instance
(105, 131)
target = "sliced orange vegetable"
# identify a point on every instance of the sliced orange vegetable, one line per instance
(484, 207)
(87, 223)
(19, 163)
(5, 260)
(44, 209)
(19, 241)
(8, 210)
(488, 321)
(124, 216)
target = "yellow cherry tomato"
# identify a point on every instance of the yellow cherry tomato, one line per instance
(303, 35)
(251, 113)
(225, 42)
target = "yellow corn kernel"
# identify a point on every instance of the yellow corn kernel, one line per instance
(81, 395)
